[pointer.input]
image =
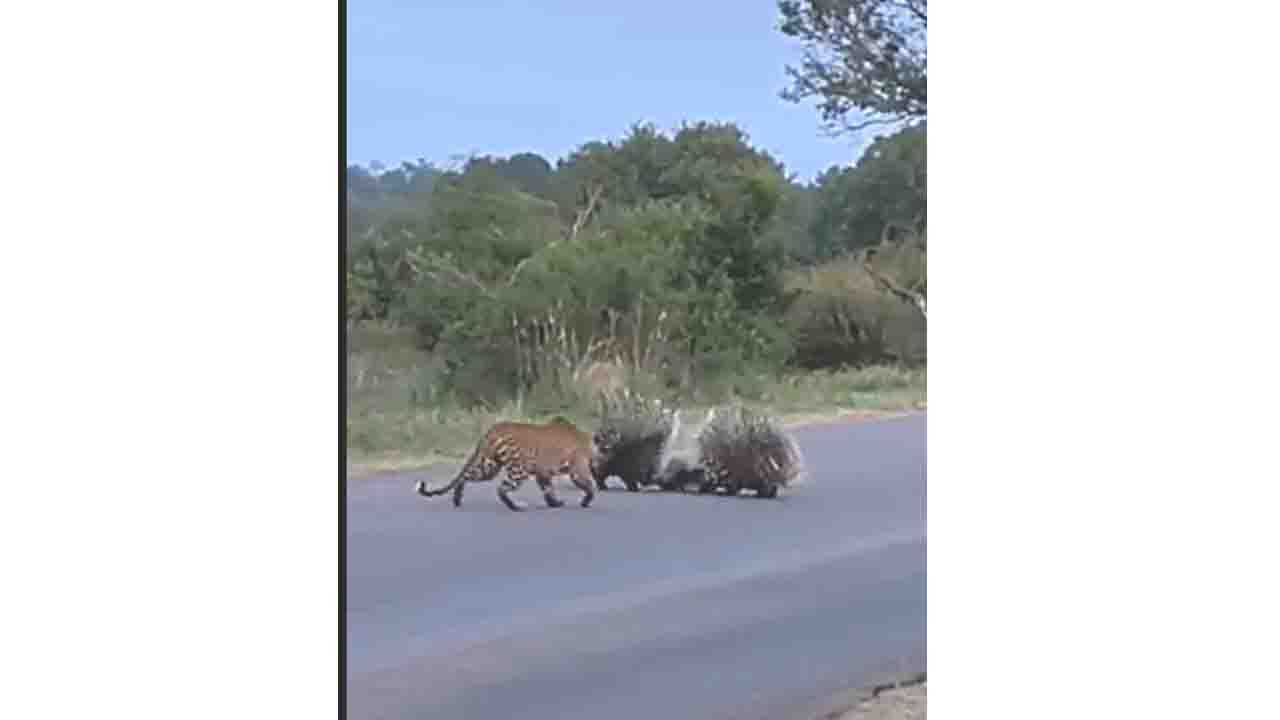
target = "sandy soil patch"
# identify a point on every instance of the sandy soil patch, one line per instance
(907, 703)
(906, 699)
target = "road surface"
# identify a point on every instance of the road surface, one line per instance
(645, 605)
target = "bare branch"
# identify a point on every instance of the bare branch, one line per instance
(836, 128)
(918, 8)
(573, 234)
(585, 213)
(913, 299)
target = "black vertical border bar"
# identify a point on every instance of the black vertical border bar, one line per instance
(342, 358)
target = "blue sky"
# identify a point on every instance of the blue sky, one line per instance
(441, 79)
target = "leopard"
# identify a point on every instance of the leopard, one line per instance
(524, 450)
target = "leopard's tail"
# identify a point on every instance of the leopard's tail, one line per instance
(467, 470)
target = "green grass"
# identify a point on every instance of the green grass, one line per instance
(396, 416)
(397, 419)
(883, 388)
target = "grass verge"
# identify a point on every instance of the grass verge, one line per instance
(397, 421)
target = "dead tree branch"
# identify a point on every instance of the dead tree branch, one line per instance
(914, 299)
(585, 213)
(583, 216)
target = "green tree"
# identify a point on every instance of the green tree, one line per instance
(627, 172)
(866, 62)
(791, 226)
(861, 58)
(712, 164)
(528, 172)
(881, 198)
(525, 172)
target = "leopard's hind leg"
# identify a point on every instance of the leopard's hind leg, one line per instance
(486, 469)
(580, 474)
(516, 475)
(548, 492)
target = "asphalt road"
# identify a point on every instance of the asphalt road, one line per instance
(645, 605)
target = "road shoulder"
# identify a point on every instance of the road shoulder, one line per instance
(905, 698)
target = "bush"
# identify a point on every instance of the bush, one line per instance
(840, 318)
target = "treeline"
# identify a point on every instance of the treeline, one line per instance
(690, 260)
